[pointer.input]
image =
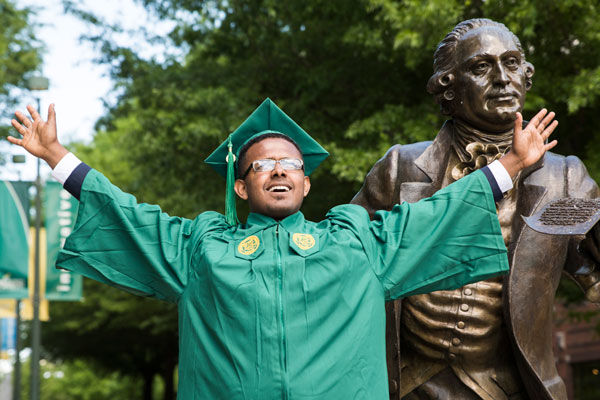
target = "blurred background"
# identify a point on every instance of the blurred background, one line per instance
(146, 89)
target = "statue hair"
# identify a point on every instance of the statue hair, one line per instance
(445, 63)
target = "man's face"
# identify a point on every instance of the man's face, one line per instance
(277, 193)
(490, 80)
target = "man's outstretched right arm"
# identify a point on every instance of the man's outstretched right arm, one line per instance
(116, 240)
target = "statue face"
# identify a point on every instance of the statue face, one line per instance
(490, 80)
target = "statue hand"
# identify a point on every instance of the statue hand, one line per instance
(529, 144)
(38, 136)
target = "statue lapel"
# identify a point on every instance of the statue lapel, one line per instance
(530, 199)
(433, 163)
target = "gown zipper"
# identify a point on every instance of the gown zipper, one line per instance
(282, 316)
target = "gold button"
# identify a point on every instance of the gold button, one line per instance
(452, 356)
(460, 324)
(468, 292)
(464, 307)
(456, 341)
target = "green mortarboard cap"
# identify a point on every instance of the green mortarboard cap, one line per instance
(267, 118)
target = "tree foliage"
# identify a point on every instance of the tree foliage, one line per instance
(20, 54)
(79, 380)
(114, 331)
(351, 72)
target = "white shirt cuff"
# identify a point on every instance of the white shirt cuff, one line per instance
(502, 177)
(65, 167)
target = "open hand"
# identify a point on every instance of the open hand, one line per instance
(529, 144)
(38, 136)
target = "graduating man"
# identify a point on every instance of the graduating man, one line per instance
(280, 307)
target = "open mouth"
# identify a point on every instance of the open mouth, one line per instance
(279, 188)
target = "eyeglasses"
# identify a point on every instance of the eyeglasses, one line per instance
(268, 164)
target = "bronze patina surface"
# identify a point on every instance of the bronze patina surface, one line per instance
(492, 339)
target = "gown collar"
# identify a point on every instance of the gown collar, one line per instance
(261, 221)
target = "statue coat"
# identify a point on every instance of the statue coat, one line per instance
(412, 172)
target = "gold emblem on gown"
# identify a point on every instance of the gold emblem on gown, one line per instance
(304, 241)
(249, 245)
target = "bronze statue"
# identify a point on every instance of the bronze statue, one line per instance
(492, 339)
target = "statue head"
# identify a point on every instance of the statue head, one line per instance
(481, 75)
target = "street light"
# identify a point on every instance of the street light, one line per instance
(18, 159)
(37, 83)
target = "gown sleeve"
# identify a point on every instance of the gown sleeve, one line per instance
(135, 247)
(439, 243)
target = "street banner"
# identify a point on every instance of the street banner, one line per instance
(14, 243)
(8, 335)
(61, 211)
(27, 304)
(8, 308)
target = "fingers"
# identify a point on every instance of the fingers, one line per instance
(550, 145)
(23, 118)
(20, 128)
(14, 140)
(542, 123)
(33, 112)
(51, 115)
(535, 121)
(518, 123)
(546, 121)
(548, 131)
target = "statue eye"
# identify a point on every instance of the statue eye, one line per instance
(512, 62)
(480, 67)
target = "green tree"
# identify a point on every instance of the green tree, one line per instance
(20, 54)
(78, 380)
(132, 336)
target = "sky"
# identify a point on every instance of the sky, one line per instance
(78, 85)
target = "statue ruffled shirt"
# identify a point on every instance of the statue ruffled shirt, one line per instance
(286, 309)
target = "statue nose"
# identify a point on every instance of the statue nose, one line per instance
(500, 77)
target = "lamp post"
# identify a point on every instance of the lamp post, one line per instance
(17, 159)
(37, 83)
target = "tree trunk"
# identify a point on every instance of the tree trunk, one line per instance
(168, 379)
(167, 372)
(148, 386)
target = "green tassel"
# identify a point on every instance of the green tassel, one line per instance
(230, 210)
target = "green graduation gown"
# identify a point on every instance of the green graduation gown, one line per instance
(288, 309)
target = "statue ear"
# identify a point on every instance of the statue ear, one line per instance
(529, 71)
(446, 80)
